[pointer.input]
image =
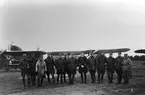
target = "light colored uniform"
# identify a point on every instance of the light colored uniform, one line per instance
(126, 68)
(41, 68)
(127, 64)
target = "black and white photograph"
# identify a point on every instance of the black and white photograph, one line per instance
(72, 47)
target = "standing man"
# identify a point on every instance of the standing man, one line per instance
(101, 67)
(82, 61)
(50, 68)
(118, 67)
(127, 65)
(72, 69)
(65, 65)
(41, 69)
(60, 68)
(110, 67)
(92, 65)
(25, 69)
(33, 72)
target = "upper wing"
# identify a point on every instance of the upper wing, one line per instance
(140, 51)
(1, 52)
(88, 51)
(65, 52)
(20, 53)
(71, 52)
(112, 50)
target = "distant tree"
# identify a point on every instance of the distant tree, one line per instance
(131, 57)
(137, 57)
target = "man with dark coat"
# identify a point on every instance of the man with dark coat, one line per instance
(50, 68)
(118, 67)
(101, 67)
(110, 67)
(72, 69)
(60, 68)
(65, 65)
(82, 61)
(25, 69)
(33, 72)
(92, 65)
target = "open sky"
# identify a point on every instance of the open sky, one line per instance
(72, 24)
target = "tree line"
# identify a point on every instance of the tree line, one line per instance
(138, 57)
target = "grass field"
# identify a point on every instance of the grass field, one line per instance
(11, 84)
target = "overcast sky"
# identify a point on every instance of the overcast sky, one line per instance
(73, 24)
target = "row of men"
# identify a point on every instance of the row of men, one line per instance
(65, 65)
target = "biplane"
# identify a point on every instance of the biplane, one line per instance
(105, 51)
(14, 56)
(15, 53)
(57, 53)
(70, 52)
(140, 51)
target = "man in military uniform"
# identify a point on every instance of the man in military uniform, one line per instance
(126, 68)
(33, 72)
(118, 67)
(92, 65)
(101, 67)
(25, 69)
(65, 65)
(110, 67)
(82, 61)
(72, 69)
(41, 69)
(60, 68)
(50, 68)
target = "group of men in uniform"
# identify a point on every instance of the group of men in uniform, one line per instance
(121, 65)
(68, 65)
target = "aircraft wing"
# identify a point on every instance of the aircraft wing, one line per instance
(140, 51)
(20, 53)
(1, 52)
(65, 52)
(71, 52)
(112, 50)
(88, 51)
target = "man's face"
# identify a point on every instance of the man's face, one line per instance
(62, 56)
(102, 53)
(95, 55)
(126, 55)
(48, 55)
(72, 56)
(59, 55)
(119, 54)
(41, 57)
(24, 56)
(98, 54)
(77, 56)
(92, 54)
(110, 54)
(33, 55)
(65, 56)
